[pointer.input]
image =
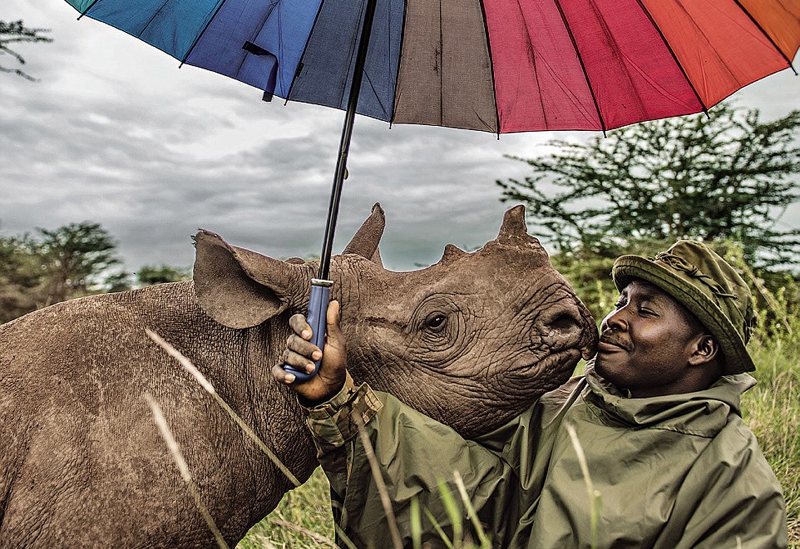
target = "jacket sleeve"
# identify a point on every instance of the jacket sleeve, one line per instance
(415, 457)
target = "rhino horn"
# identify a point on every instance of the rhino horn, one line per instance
(451, 253)
(240, 288)
(513, 230)
(365, 241)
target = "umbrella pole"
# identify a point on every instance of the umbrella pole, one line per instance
(344, 145)
(321, 286)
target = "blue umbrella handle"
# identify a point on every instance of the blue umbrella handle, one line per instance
(317, 311)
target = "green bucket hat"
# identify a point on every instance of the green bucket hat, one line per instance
(706, 285)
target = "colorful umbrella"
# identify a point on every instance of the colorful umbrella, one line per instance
(492, 65)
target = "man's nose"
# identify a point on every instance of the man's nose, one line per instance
(616, 320)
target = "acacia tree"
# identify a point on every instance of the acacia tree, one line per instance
(71, 261)
(15, 32)
(74, 259)
(52, 266)
(727, 175)
(147, 275)
(20, 276)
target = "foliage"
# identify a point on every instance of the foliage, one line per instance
(727, 175)
(15, 32)
(19, 277)
(151, 274)
(71, 261)
(74, 258)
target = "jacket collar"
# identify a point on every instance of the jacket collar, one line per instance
(703, 413)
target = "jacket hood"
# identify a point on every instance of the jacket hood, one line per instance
(702, 413)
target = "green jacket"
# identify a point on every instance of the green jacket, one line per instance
(669, 472)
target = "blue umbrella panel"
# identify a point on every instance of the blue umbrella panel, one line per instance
(301, 51)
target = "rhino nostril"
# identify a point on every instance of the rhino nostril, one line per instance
(565, 323)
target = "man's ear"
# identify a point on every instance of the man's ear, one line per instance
(706, 349)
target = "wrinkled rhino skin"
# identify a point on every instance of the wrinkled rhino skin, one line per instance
(83, 465)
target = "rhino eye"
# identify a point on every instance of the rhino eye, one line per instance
(435, 321)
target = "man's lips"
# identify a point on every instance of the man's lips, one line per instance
(610, 343)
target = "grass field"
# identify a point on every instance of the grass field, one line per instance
(772, 409)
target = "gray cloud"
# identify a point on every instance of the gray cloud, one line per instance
(115, 133)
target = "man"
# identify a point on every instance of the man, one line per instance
(647, 449)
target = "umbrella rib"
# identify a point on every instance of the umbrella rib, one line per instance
(583, 66)
(399, 62)
(90, 6)
(153, 18)
(766, 35)
(201, 33)
(674, 57)
(299, 68)
(354, 63)
(491, 68)
(441, 67)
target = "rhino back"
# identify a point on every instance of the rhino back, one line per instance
(79, 442)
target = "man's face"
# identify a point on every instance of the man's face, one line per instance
(646, 342)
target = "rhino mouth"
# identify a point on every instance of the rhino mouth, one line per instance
(531, 379)
(588, 343)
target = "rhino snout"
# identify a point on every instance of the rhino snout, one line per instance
(569, 329)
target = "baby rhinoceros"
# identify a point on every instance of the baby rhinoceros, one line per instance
(471, 341)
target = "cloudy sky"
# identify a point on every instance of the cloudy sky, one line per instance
(114, 133)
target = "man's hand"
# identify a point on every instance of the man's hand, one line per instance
(301, 354)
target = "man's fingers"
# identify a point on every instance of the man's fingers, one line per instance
(300, 326)
(302, 347)
(281, 375)
(301, 354)
(332, 319)
(332, 315)
(298, 361)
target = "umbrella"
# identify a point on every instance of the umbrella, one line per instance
(494, 65)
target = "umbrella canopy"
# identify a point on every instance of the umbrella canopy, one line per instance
(493, 65)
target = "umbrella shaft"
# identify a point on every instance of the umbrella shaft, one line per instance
(344, 144)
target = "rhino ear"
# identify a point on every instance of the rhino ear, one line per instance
(237, 287)
(365, 241)
(514, 230)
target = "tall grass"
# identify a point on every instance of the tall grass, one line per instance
(772, 407)
(772, 410)
(308, 511)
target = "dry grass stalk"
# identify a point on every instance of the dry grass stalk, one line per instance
(462, 490)
(205, 384)
(318, 538)
(343, 537)
(376, 474)
(183, 467)
(594, 495)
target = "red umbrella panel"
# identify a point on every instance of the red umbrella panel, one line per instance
(584, 64)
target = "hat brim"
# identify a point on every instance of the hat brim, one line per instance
(737, 359)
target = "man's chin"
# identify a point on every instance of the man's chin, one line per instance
(605, 368)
